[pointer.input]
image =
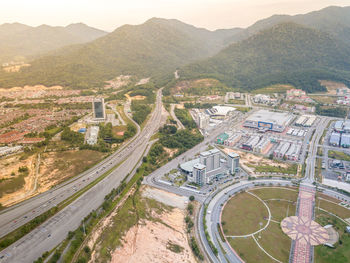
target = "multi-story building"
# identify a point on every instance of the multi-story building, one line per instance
(92, 135)
(233, 162)
(199, 174)
(211, 159)
(98, 106)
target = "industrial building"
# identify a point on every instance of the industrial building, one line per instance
(8, 150)
(305, 120)
(293, 152)
(262, 145)
(334, 139)
(92, 135)
(266, 120)
(232, 140)
(281, 150)
(345, 140)
(221, 138)
(99, 111)
(220, 111)
(251, 143)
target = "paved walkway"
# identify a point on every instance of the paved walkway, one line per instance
(304, 232)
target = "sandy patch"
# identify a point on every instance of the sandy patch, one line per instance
(165, 197)
(15, 68)
(332, 86)
(32, 88)
(142, 81)
(249, 158)
(148, 242)
(11, 164)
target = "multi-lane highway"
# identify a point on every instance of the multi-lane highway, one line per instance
(311, 158)
(55, 229)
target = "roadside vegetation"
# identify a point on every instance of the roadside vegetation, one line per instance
(338, 155)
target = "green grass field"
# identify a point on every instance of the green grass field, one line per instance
(341, 252)
(242, 215)
(338, 155)
(278, 88)
(248, 250)
(276, 193)
(236, 217)
(270, 237)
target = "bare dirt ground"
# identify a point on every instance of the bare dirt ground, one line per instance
(150, 241)
(186, 84)
(256, 160)
(142, 81)
(15, 68)
(118, 82)
(30, 88)
(11, 164)
(137, 97)
(332, 86)
(59, 166)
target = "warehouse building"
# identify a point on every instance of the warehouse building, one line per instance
(345, 140)
(334, 139)
(281, 150)
(266, 120)
(338, 126)
(232, 140)
(251, 143)
(221, 138)
(301, 120)
(262, 146)
(293, 152)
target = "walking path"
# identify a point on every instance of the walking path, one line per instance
(304, 232)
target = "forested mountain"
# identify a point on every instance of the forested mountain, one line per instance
(333, 20)
(285, 53)
(18, 41)
(154, 48)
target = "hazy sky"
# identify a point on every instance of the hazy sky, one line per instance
(109, 14)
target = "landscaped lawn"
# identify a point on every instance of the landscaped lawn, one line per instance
(341, 252)
(276, 193)
(242, 215)
(248, 250)
(333, 208)
(338, 155)
(270, 237)
(279, 209)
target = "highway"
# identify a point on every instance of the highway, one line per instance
(55, 229)
(311, 158)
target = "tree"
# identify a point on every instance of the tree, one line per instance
(191, 198)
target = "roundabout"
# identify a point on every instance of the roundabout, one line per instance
(269, 220)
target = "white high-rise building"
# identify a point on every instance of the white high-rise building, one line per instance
(211, 159)
(233, 162)
(199, 174)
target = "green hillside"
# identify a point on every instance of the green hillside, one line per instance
(155, 48)
(286, 53)
(22, 41)
(332, 20)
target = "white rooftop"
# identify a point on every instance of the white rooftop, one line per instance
(279, 118)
